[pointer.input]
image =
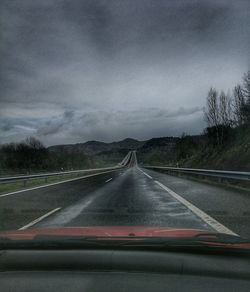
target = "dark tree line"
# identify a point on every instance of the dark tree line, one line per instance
(28, 155)
(31, 156)
(225, 112)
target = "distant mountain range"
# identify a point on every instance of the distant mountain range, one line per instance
(97, 147)
(102, 153)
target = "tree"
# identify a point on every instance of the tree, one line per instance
(28, 155)
(246, 85)
(9, 156)
(34, 143)
(212, 110)
(212, 113)
(238, 105)
(225, 110)
(246, 92)
(225, 116)
(218, 115)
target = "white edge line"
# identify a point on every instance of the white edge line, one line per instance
(39, 219)
(145, 173)
(108, 180)
(56, 183)
(204, 216)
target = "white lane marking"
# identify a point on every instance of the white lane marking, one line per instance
(108, 180)
(71, 212)
(148, 175)
(145, 173)
(205, 217)
(39, 219)
(56, 183)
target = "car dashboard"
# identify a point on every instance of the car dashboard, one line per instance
(122, 270)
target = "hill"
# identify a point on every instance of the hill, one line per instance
(99, 154)
(157, 150)
(198, 152)
(96, 153)
(96, 147)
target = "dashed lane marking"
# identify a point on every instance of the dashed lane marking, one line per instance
(53, 184)
(39, 219)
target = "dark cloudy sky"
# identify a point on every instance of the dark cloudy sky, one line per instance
(77, 70)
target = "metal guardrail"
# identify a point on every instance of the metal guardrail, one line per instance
(10, 179)
(126, 159)
(221, 174)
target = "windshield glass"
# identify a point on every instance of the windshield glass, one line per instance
(125, 119)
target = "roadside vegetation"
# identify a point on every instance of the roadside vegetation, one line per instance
(31, 156)
(21, 185)
(224, 144)
(226, 140)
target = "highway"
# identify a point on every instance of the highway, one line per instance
(132, 196)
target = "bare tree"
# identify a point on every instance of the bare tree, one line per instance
(223, 109)
(238, 105)
(225, 115)
(246, 92)
(246, 85)
(34, 143)
(218, 115)
(212, 112)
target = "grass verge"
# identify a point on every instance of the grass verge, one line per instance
(22, 185)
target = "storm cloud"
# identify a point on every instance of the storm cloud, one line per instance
(73, 71)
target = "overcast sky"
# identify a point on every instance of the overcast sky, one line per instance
(78, 70)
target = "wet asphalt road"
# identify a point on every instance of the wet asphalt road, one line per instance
(22, 208)
(231, 207)
(127, 197)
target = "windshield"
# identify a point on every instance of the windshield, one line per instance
(125, 119)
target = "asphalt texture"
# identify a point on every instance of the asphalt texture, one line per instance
(21, 208)
(231, 207)
(127, 197)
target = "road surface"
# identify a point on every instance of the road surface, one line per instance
(132, 196)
